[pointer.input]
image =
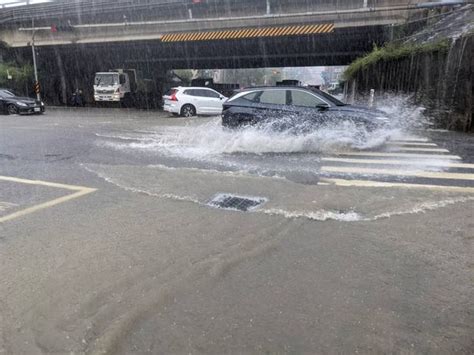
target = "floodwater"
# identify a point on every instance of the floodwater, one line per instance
(198, 159)
(262, 291)
(203, 143)
(336, 258)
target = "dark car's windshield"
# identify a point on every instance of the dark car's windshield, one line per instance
(329, 97)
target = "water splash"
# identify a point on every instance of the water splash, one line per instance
(406, 117)
(200, 140)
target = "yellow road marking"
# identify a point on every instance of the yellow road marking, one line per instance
(405, 155)
(79, 191)
(423, 163)
(397, 172)
(368, 183)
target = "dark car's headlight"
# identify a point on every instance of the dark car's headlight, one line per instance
(22, 104)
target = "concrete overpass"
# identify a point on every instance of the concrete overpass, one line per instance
(205, 33)
(87, 25)
(154, 36)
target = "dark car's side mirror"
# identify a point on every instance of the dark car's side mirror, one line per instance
(322, 107)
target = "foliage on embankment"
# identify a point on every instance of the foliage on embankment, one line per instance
(14, 76)
(393, 51)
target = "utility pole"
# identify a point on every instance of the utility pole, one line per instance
(37, 87)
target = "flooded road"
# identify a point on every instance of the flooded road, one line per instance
(346, 244)
(198, 160)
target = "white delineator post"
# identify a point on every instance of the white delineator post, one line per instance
(371, 98)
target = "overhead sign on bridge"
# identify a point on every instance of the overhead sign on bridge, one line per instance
(248, 33)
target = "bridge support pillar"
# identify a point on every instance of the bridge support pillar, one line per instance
(62, 77)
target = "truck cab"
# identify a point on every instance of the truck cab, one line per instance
(112, 86)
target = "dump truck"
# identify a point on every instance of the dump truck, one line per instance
(124, 87)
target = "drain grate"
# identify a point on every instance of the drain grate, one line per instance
(236, 203)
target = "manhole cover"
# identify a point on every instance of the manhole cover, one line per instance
(236, 203)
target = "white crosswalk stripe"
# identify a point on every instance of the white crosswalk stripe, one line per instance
(423, 163)
(424, 149)
(412, 144)
(369, 183)
(411, 139)
(397, 172)
(411, 162)
(404, 155)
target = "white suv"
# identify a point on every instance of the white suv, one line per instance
(192, 101)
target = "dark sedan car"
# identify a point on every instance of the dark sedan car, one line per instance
(12, 104)
(289, 107)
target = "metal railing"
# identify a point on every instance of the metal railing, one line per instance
(136, 10)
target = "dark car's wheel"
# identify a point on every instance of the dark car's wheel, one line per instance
(11, 109)
(188, 111)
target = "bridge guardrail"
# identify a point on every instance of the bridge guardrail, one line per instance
(97, 11)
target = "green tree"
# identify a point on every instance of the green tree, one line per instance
(18, 78)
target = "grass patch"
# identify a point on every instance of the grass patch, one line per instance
(13, 76)
(393, 51)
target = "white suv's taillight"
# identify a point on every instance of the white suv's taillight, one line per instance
(173, 95)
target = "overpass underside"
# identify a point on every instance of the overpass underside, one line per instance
(283, 36)
(339, 47)
(64, 68)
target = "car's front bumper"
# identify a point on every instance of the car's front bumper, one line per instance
(30, 110)
(107, 98)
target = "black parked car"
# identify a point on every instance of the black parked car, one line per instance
(290, 107)
(12, 104)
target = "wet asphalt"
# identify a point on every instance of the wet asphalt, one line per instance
(142, 263)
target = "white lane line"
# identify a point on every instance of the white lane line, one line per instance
(79, 191)
(404, 155)
(43, 183)
(420, 163)
(45, 205)
(412, 144)
(397, 172)
(412, 149)
(369, 183)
